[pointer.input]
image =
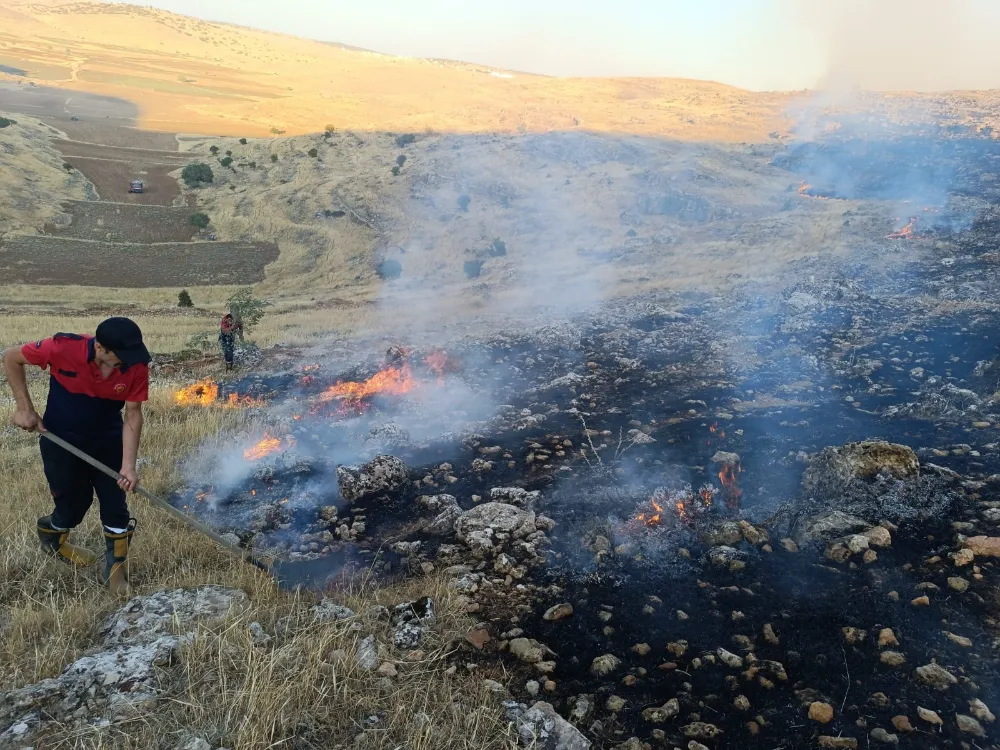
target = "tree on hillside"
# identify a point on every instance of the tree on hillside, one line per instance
(226, 161)
(199, 220)
(274, 158)
(313, 153)
(197, 174)
(247, 309)
(243, 141)
(214, 150)
(6, 122)
(184, 299)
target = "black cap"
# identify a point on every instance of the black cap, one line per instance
(122, 337)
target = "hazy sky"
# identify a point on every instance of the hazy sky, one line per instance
(757, 44)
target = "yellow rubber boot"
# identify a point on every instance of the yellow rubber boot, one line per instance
(115, 573)
(56, 542)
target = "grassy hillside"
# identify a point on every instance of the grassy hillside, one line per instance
(189, 75)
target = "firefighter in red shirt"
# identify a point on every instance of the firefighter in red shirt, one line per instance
(91, 379)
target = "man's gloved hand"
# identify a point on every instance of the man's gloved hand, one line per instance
(28, 419)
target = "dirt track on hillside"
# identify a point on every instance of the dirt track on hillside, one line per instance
(111, 169)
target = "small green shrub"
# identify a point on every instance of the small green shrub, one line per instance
(401, 159)
(274, 158)
(243, 141)
(67, 166)
(330, 129)
(226, 161)
(6, 122)
(313, 153)
(197, 174)
(277, 131)
(405, 139)
(199, 220)
(395, 171)
(184, 299)
(214, 150)
(229, 153)
(252, 165)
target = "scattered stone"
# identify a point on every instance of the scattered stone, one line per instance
(382, 474)
(388, 669)
(902, 724)
(968, 725)
(921, 601)
(958, 639)
(963, 557)
(700, 730)
(615, 703)
(892, 658)
(258, 636)
(837, 743)
(667, 711)
(741, 703)
(880, 735)
(330, 611)
(878, 536)
(984, 546)
(929, 716)
(832, 468)
(478, 638)
(558, 612)
(854, 635)
(541, 728)
(887, 638)
(531, 687)
(833, 525)
(730, 659)
(144, 618)
(981, 711)
(366, 654)
(821, 713)
(789, 545)
(604, 665)
(641, 648)
(529, 650)
(958, 584)
(770, 636)
(936, 676)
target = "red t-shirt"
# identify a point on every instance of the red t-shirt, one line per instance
(81, 401)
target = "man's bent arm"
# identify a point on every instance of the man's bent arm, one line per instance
(13, 367)
(131, 434)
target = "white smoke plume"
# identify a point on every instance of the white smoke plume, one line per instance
(905, 45)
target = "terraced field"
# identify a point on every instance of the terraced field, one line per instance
(54, 260)
(119, 222)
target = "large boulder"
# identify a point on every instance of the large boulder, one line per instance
(488, 527)
(446, 511)
(381, 474)
(541, 728)
(832, 468)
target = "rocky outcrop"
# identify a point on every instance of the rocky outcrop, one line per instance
(381, 474)
(833, 467)
(118, 679)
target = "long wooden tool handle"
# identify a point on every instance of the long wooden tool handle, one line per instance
(163, 505)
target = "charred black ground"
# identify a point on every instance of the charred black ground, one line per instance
(649, 399)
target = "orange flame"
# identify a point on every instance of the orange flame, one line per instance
(652, 520)
(206, 393)
(716, 430)
(392, 380)
(202, 393)
(906, 232)
(265, 447)
(200, 496)
(728, 475)
(440, 363)
(804, 188)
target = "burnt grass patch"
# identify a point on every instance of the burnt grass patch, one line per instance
(52, 260)
(671, 376)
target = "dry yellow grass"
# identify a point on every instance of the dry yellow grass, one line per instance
(226, 689)
(32, 179)
(189, 75)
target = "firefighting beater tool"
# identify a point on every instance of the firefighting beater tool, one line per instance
(266, 565)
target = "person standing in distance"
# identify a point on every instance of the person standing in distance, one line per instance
(91, 378)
